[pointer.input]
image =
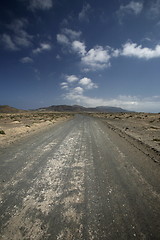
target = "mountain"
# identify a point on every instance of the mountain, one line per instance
(63, 108)
(77, 108)
(8, 109)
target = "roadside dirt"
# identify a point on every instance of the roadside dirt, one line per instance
(144, 128)
(14, 126)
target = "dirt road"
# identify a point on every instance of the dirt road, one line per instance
(78, 180)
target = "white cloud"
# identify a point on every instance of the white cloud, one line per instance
(131, 103)
(99, 57)
(71, 33)
(87, 83)
(43, 47)
(115, 52)
(40, 4)
(75, 87)
(71, 78)
(26, 60)
(64, 85)
(8, 43)
(77, 90)
(133, 8)
(83, 15)
(70, 39)
(96, 58)
(67, 36)
(62, 39)
(134, 50)
(79, 47)
(76, 95)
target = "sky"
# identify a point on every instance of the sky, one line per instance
(90, 53)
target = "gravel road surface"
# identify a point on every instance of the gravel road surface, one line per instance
(78, 180)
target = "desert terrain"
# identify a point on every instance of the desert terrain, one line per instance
(14, 126)
(141, 127)
(83, 178)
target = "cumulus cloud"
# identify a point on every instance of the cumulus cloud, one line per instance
(75, 87)
(71, 33)
(64, 85)
(62, 39)
(135, 50)
(67, 36)
(73, 82)
(87, 83)
(84, 82)
(43, 47)
(79, 47)
(133, 8)
(96, 58)
(71, 78)
(77, 90)
(99, 57)
(70, 40)
(83, 15)
(115, 52)
(40, 4)
(26, 60)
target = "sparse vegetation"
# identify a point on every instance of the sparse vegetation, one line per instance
(2, 132)
(17, 125)
(153, 127)
(138, 125)
(156, 139)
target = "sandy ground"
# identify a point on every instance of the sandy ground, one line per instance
(13, 127)
(78, 180)
(143, 127)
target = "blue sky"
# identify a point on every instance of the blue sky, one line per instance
(90, 53)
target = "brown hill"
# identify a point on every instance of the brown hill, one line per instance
(77, 108)
(8, 109)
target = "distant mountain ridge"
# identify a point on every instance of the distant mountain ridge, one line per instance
(65, 108)
(77, 108)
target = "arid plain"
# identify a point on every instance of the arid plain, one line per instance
(143, 127)
(14, 126)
